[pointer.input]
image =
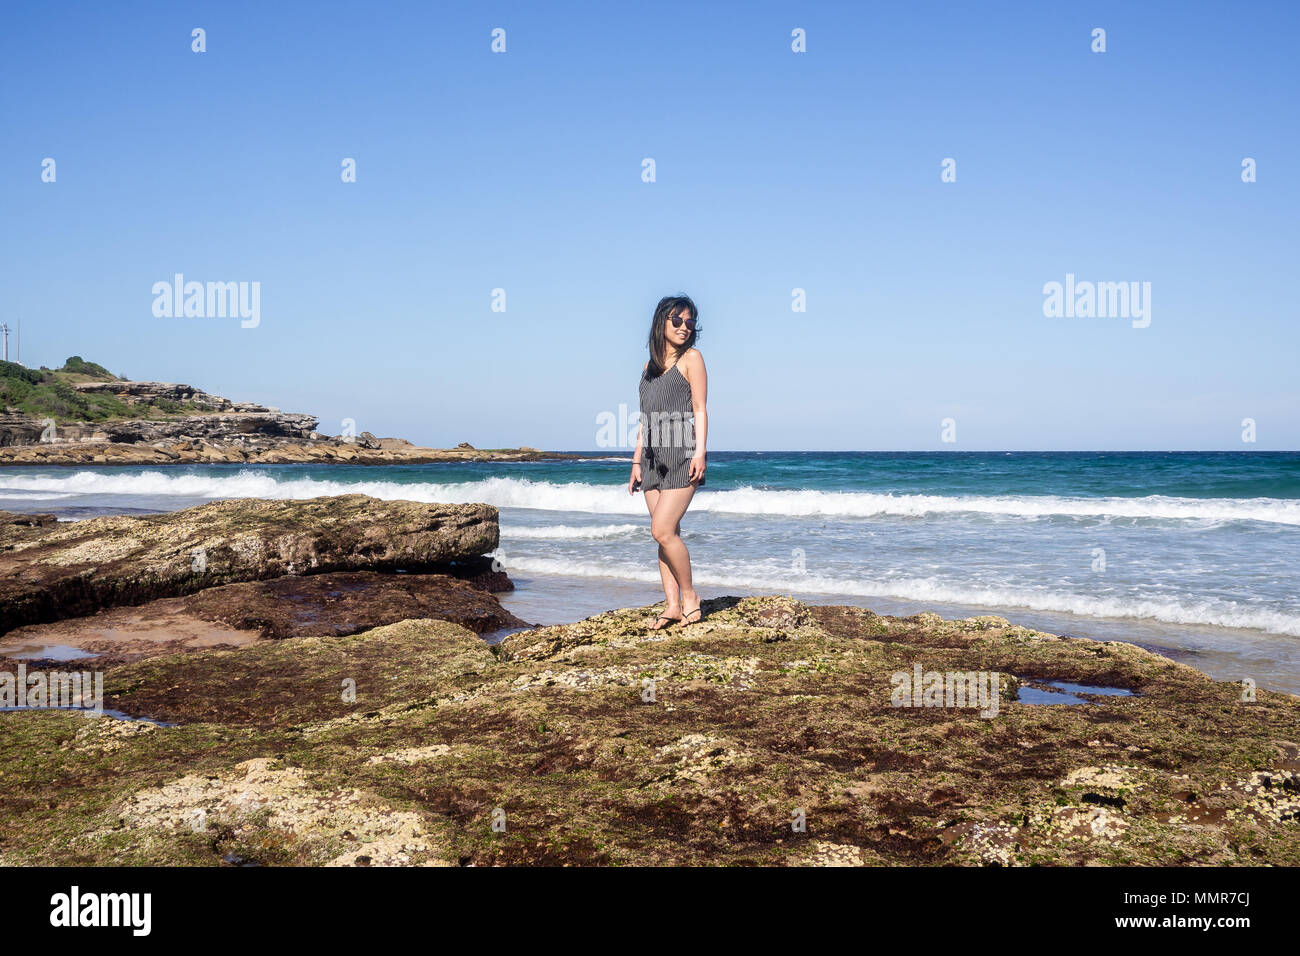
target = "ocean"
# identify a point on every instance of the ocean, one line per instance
(1192, 554)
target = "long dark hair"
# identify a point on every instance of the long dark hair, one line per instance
(669, 306)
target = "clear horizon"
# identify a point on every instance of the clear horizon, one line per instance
(775, 171)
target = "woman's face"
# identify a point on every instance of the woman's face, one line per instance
(677, 336)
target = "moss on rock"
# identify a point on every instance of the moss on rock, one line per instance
(763, 735)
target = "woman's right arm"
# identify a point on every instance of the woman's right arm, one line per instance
(634, 479)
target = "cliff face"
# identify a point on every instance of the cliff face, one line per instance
(155, 393)
(20, 430)
(227, 427)
(17, 430)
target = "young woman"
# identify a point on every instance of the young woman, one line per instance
(670, 447)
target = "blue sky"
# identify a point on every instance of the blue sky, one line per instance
(774, 171)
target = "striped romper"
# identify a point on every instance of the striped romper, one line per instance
(668, 431)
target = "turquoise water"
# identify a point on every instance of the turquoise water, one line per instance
(1192, 553)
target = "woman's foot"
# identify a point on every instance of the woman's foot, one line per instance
(665, 620)
(696, 612)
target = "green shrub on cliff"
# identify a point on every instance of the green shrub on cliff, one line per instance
(76, 365)
(21, 373)
(43, 395)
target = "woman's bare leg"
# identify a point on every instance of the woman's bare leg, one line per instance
(674, 560)
(672, 594)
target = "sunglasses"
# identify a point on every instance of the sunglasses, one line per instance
(677, 323)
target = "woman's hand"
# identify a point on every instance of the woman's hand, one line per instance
(698, 465)
(634, 479)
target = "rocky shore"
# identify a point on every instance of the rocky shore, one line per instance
(161, 423)
(51, 570)
(769, 733)
(253, 451)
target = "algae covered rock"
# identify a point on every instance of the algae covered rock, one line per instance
(602, 742)
(69, 569)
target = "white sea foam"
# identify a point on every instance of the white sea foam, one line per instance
(1214, 613)
(561, 531)
(614, 499)
(871, 504)
(156, 488)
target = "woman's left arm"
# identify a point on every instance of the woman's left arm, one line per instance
(699, 382)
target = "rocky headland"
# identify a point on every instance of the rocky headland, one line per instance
(83, 415)
(769, 733)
